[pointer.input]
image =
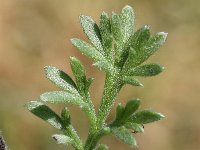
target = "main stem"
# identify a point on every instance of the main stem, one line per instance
(111, 89)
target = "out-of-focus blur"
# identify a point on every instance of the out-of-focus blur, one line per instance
(36, 33)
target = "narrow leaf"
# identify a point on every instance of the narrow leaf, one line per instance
(123, 134)
(102, 147)
(105, 30)
(135, 127)
(140, 38)
(88, 83)
(116, 28)
(104, 65)
(79, 73)
(131, 81)
(134, 44)
(146, 116)
(61, 79)
(91, 29)
(119, 114)
(87, 49)
(155, 43)
(123, 24)
(58, 97)
(146, 70)
(130, 108)
(127, 18)
(62, 139)
(45, 113)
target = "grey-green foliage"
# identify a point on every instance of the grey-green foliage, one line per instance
(120, 50)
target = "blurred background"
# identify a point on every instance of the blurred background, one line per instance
(36, 33)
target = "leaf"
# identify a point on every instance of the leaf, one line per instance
(65, 116)
(123, 24)
(87, 49)
(105, 30)
(122, 29)
(131, 107)
(91, 29)
(119, 114)
(116, 28)
(134, 126)
(104, 65)
(79, 73)
(61, 79)
(123, 134)
(153, 44)
(146, 70)
(62, 139)
(57, 97)
(45, 113)
(88, 83)
(102, 147)
(131, 81)
(127, 18)
(140, 38)
(146, 116)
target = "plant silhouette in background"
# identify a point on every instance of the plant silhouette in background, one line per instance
(119, 51)
(3, 145)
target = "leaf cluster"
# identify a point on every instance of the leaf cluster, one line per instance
(120, 51)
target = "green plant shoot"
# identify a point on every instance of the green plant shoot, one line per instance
(119, 50)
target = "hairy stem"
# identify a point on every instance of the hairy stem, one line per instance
(111, 89)
(93, 139)
(77, 144)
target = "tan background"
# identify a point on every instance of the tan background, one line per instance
(35, 33)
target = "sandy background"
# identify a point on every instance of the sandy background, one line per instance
(36, 33)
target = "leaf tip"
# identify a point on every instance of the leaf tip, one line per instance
(127, 7)
(147, 27)
(73, 40)
(161, 116)
(163, 34)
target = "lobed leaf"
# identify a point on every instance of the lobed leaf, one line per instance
(62, 139)
(146, 70)
(124, 135)
(146, 116)
(45, 113)
(61, 79)
(57, 97)
(91, 29)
